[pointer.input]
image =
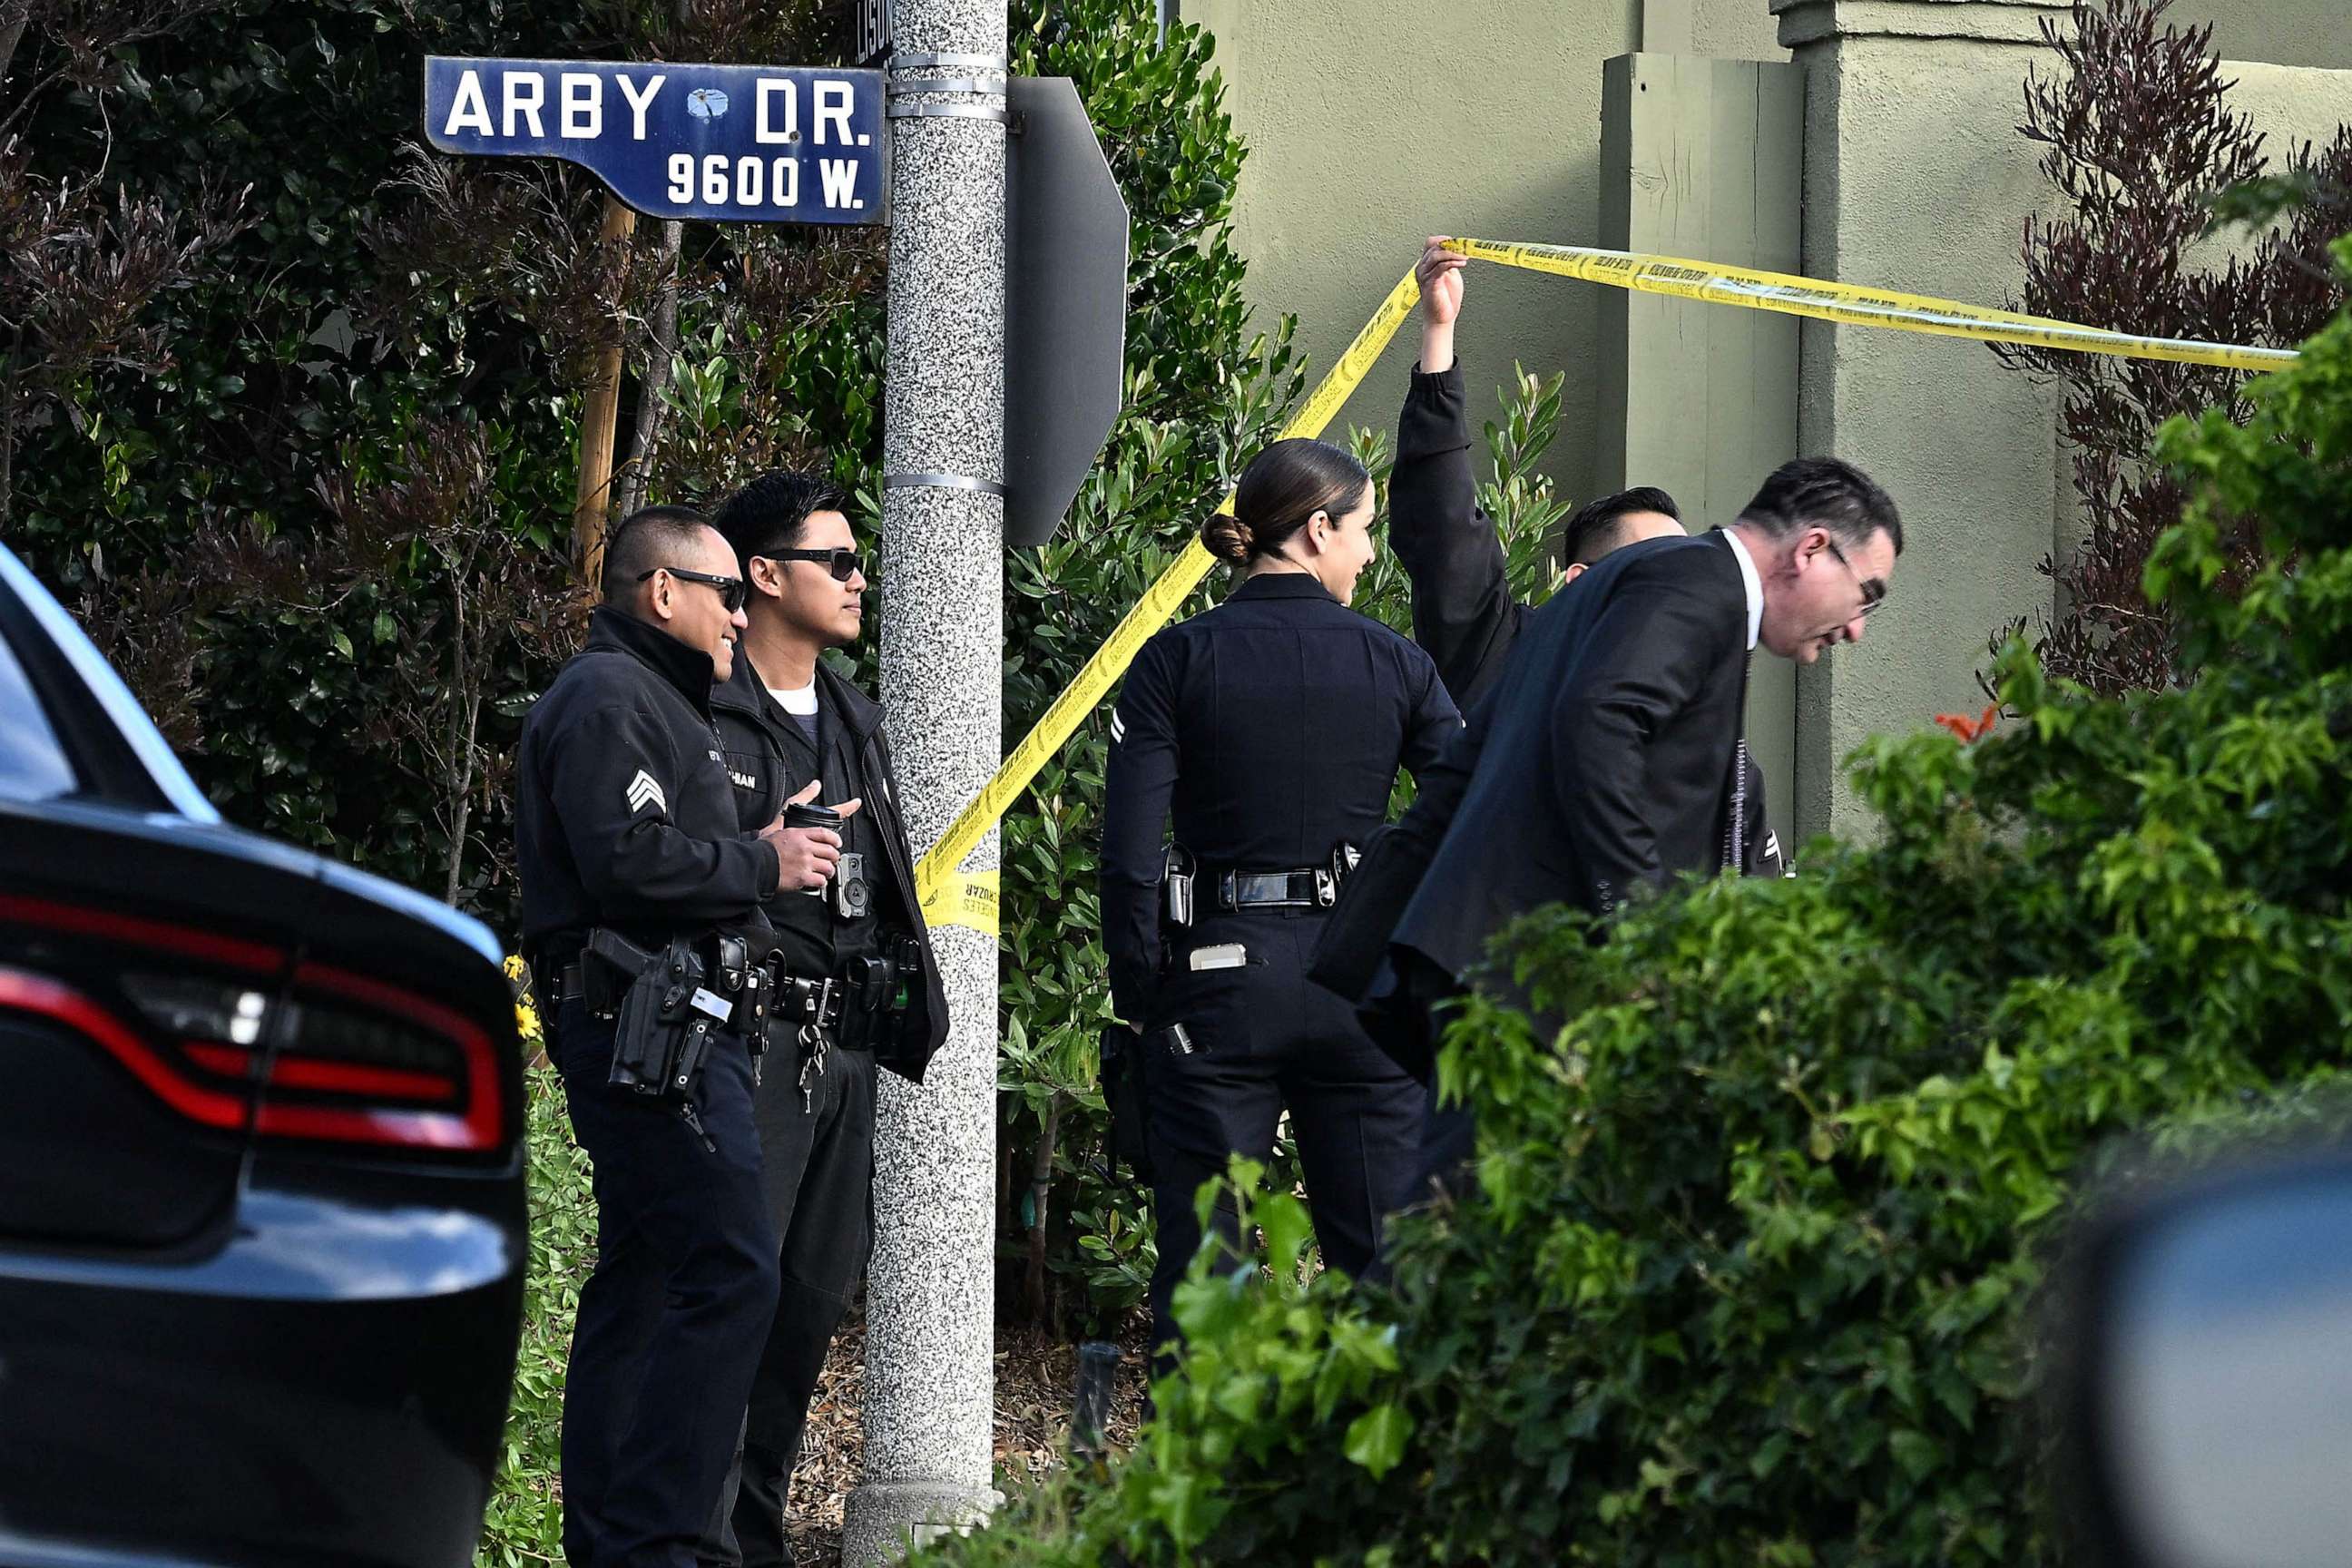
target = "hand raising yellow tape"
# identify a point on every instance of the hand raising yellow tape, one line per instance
(947, 900)
(1151, 612)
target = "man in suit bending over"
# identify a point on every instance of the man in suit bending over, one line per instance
(1463, 611)
(1607, 758)
(1464, 615)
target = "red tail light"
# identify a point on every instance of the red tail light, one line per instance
(336, 1056)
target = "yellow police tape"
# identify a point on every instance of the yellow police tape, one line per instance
(964, 899)
(935, 874)
(1854, 305)
(949, 898)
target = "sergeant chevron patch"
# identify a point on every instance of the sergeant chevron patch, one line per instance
(1117, 728)
(643, 789)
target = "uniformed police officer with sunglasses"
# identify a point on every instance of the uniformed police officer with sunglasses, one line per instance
(858, 985)
(627, 828)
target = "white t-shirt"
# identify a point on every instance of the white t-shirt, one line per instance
(798, 700)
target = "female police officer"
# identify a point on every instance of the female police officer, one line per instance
(1272, 728)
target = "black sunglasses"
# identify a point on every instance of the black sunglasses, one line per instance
(731, 589)
(843, 564)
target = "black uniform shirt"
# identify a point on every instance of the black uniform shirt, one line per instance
(1271, 727)
(770, 755)
(624, 815)
(817, 937)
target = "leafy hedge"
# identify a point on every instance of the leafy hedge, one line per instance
(1747, 1274)
(524, 1522)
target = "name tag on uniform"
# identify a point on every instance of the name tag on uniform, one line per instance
(1223, 955)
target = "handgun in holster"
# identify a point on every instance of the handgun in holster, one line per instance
(1333, 874)
(892, 1018)
(666, 1015)
(878, 991)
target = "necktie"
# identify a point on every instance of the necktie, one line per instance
(1735, 842)
(1735, 827)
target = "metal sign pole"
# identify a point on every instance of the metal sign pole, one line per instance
(930, 1290)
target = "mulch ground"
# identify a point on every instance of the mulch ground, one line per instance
(1036, 1386)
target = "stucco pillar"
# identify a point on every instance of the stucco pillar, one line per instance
(930, 1312)
(1915, 178)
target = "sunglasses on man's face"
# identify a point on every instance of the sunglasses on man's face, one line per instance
(841, 564)
(731, 589)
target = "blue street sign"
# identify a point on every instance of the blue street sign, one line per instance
(734, 143)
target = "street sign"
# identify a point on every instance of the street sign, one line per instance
(731, 143)
(1064, 304)
(870, 34)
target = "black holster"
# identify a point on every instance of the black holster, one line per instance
(664, 1008)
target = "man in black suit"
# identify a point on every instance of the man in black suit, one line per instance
(1464, 615)
(1607, 758)
(1463, 611)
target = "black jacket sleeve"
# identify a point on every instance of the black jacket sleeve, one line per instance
(1655, 645)
(1434, 721)
(1355, 939)
(1137, 788)
(1462, 612)
(613, 775)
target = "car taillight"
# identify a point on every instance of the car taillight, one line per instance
(363, 1060)
(336, 1056)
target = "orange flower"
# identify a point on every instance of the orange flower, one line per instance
(1971, 731)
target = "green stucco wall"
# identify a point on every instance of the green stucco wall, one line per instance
(1372, 123)
(2276, 32)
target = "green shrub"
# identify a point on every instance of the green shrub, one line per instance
(1745, 1274)
(524, 1523)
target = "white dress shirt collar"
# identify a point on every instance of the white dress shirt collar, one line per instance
(1752, 583)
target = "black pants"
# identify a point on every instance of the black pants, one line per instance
(819, 1161)
(670, 1322)
(1266, 1039)
(1419, 1002)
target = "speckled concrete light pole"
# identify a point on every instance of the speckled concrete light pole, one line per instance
(931, 1309)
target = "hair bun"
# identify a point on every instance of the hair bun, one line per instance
(1226, 537)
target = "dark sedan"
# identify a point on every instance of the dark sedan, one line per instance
(262, 1219)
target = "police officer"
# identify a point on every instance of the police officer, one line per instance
(626, 826)
(1271, 727)
(857, 983)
